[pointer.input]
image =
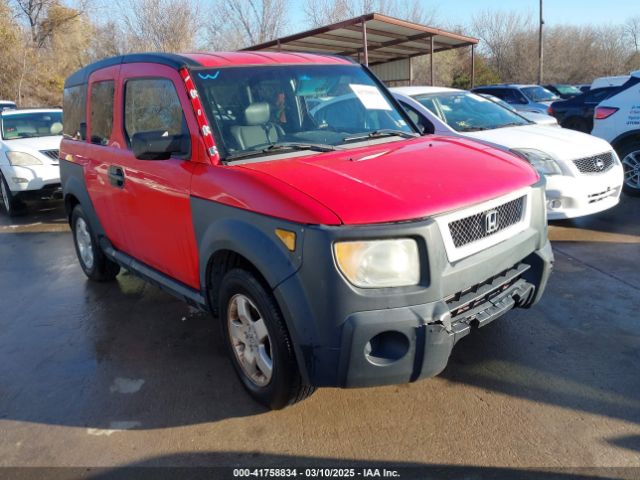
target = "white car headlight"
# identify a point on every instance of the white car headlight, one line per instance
(379, 263)
(21, 159)
(544, 163)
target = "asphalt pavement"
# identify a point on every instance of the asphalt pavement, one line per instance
(123, 374)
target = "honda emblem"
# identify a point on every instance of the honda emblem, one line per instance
(491, 222)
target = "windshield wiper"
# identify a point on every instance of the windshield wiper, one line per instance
(511, 124)
(472, 129)
(282, 146)
(385, 132)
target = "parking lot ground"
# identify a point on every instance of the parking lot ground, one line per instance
(122, 373)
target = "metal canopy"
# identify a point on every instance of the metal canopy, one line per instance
(371, 39)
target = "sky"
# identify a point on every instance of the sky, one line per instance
(576, 12)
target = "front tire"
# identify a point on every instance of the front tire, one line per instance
(630, 157)
(258, 342)
(93, 262)
(11, 205)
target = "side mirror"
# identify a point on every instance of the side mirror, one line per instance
(158, 145)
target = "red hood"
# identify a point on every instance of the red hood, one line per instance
(402, 180)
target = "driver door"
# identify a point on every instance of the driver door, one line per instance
(156, 193)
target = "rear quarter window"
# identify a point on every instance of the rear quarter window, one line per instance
(74, 106)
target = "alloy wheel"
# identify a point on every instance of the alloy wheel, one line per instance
(631, 164)
(250, 340)
(85, 245)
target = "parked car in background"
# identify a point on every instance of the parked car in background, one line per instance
(337, 249)
(563, 90)
(7, 105)
(29, 144)
(583, 87)
(577, 112)
(524, 98)
(617, 120)
(537, 118)
(583, 173)
(614, 81)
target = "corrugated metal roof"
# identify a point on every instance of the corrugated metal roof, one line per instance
(388, 39)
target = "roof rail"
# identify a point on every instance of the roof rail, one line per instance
(81, 76)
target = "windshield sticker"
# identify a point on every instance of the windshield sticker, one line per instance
(208, 76)
(370, 97)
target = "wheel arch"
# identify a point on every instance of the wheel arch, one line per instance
(75, 193)
(237, 242)
(626, 137)
(221, 262)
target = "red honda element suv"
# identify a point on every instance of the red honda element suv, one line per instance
(337, 246)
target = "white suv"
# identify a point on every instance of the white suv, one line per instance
(29, 146)
(617, 120)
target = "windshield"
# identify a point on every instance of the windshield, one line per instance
(31, 124)
(267, 109)
(468, 112)
(568, 90)
(538, 94)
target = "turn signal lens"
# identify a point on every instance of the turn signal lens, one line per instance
(604, 112)
(287, 237)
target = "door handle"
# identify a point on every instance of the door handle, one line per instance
(116, 176)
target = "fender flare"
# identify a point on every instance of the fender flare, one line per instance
(264, 250)
(72, 179)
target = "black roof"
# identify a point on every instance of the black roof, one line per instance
(81, 76)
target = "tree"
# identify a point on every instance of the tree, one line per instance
(11, 52)
(632, 31)
(160, 25)
(322, 12)
(508, 40)
(241, 23)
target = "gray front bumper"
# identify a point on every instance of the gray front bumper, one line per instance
(334, 325)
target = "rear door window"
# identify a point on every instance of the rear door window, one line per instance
(152, 105)
(102, 111)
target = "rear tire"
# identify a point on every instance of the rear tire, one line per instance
(11, 205)
(93, 262)
(258, 342)
(629, 155)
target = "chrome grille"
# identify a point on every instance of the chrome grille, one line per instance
(52, 154)
(479, 226)
(595, 164)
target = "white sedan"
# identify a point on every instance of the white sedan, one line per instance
(583, 173)
(29, 145)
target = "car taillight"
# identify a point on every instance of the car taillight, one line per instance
(550, 110)
(604, 112)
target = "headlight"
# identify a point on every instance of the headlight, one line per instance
(379, 263)
(21, 159)
(544, 163)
